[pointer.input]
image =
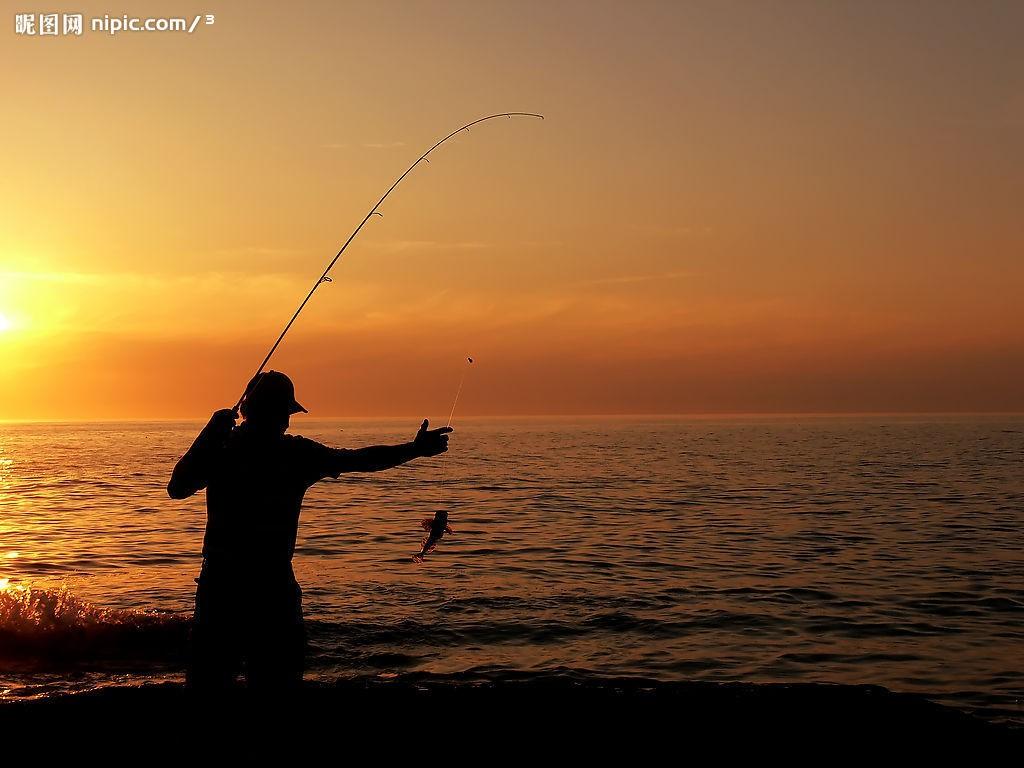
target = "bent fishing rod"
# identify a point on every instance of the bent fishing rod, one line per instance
(325, 277)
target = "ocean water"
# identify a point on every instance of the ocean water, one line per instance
(887, 551)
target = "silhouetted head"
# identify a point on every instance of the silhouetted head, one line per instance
(270, 401)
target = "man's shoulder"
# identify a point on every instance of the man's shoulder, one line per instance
(315, 459)
(301, 443)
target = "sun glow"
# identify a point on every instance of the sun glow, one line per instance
(5, 323)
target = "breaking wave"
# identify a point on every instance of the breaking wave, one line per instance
(52, 628)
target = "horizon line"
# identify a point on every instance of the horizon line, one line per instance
(637, 415)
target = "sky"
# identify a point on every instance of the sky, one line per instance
(730, 207)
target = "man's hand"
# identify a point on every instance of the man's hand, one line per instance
(431, 442)
(192, 472)
(222, 422)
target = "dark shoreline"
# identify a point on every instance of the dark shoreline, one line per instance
(613, 710)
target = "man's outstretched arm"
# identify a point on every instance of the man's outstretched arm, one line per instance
(375, 458)
(191, 473)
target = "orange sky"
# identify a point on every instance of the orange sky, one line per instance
(731, 207)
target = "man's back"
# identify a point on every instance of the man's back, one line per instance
(256, 484)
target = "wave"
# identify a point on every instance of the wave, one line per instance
(52, 641)
(53, 628)
(48, 628)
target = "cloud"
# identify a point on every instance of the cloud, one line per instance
(405, 246)
(673, 230)
(397, 246)
(367, 145)
(78, 278)
(627, 279)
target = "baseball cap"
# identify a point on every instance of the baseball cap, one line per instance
(272, 389)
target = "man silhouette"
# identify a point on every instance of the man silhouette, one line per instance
(248, 613)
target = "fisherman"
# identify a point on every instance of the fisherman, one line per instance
(248, 612)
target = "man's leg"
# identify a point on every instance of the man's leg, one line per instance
(277, 647)
(215, 655)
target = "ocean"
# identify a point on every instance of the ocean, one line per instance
(860, 550)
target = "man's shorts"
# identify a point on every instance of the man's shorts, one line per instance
(250, 627)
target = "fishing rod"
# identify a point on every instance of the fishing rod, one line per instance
(325, 277)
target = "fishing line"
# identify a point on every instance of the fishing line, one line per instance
(465, 370)
(325, 277)
(451, 415)
(437, 525)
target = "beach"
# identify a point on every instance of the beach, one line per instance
(427, 716)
